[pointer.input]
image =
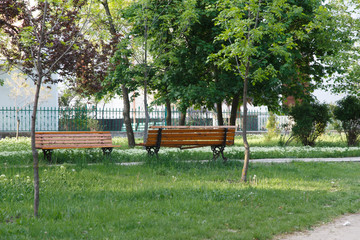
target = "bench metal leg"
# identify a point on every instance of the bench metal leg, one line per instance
(107, 151)
(217, 150)
(47, 154)
(152, 151)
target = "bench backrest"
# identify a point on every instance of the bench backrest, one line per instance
(58, 140)
(174, 136)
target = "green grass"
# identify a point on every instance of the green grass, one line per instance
(17, 152)
(169, 198)
(174, 200)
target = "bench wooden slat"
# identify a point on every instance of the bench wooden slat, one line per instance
(194, 127)
(73, 132)
(181, 138)
(190, 142)
(154, 131)
(191, 135)
(73, 139)
(73, 143)
(72, 135)
(78, 146)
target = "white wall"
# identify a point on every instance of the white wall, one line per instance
(7, 101)
(46, 120)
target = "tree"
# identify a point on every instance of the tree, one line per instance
(280, 48)
(347, 111)
(115, 77)
(342, 20)
(41, 39)
(246, 24)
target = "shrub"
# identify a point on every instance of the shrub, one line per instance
(310, 119)
(347, 111)
(271, 126)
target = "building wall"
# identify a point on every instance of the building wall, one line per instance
(8, 104)
(6, 100)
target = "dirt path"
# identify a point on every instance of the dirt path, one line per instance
(346, 227)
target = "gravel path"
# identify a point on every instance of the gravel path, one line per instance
(346, 227)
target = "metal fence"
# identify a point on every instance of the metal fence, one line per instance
(85, 119)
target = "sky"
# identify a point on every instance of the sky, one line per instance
(327, 97)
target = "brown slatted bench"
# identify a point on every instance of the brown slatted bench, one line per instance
(185, 137)
(48, 141)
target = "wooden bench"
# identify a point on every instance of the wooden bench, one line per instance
(48, 141)
(185, 137)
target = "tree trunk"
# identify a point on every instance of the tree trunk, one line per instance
(168, 112)
(219, 114)
(124, 89)
(126, 114)
(182, 118)
(146, 75)
(17, 126)
(234, 108)
(34, 150)
(244, 127)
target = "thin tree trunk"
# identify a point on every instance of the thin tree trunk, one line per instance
(182, 118)
(234, 108)
(244, 127)
(110, 19)
(17, 127)
(34, 150)
(124, 89)
(219, 114)
(126, 114)
(147, 117)
(168, 112)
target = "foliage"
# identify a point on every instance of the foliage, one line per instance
(344, 21)
(347, 111)
(311, 119)
(271, 126)
(22, 30)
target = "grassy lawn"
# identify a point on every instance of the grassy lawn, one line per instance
(167, 198)
(18, 152)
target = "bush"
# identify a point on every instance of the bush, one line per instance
(310, 121)
(347, 111)
(271, 126)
